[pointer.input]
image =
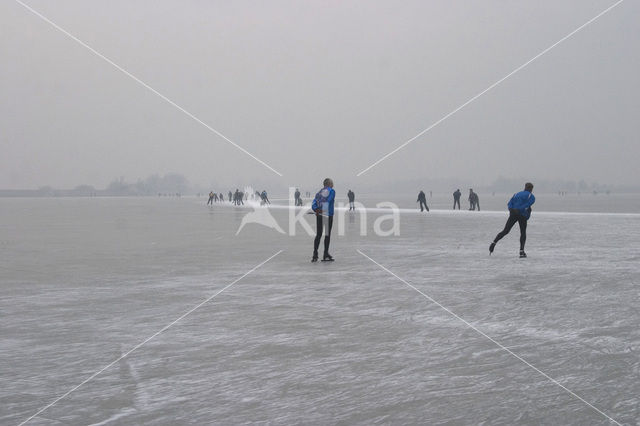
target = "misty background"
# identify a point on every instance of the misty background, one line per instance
(320, 89)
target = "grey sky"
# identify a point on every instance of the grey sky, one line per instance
(318, 89)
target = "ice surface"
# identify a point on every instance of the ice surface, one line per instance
(85, 280)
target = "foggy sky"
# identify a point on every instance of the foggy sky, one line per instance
(318, 89)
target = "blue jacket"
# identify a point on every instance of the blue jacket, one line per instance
(327, 206)
(522, 201)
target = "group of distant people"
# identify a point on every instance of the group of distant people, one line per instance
(215, 197)
(474, 200)
(238, 197)
(235, 197)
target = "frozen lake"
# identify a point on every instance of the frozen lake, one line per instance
(86, 280)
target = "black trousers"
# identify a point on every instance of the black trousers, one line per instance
(456, 201)
(322, 222)
(423, 203)
(514, 216)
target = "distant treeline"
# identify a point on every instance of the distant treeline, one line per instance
(173, 183)
(169, 184)
(503, 184)
(500, 185)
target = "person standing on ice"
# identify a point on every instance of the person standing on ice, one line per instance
(296, 196)
(520, 212)
(210, 198)
(456, 198)
(473, 200)
(422, 199)
(323, 207)
(352, 198)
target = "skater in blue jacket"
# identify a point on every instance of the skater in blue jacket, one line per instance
(323, 207)
(519, 211)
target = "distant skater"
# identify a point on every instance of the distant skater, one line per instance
(352, 198)
(474, 200)
(456, 198)
(210, 198)
(323, 207)
(230, 194)
(237, 197)
(221, 198)
(264, 197)
(297, 199)
(519, 211)
(422, 199)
